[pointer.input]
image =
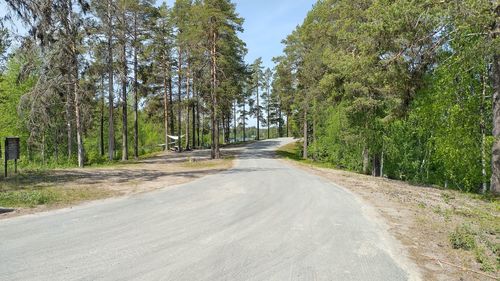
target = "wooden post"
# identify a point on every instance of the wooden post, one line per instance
(5, 158)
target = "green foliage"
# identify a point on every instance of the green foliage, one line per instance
(11, 91)
(394, 87)
(338, 143)
(463, 238)
(486, 263)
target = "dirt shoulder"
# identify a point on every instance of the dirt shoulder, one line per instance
(54, 189)
(450, 235)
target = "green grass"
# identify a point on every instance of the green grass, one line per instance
(225, 161)
(463, 238)
(290, 151)
(49, 196)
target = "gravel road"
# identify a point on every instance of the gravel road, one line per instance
(262, 220)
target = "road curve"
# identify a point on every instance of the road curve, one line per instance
(262, 220)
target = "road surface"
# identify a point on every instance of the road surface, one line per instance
(262, 220)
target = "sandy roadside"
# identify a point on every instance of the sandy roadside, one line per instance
(412, 216)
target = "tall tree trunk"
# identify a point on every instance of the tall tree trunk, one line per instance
(124, 90)
(215, 116)
(482, 127)
(268, 123)
(79, 129)
(75, 82)
(166, 95)
(198, 117)
(495, 175)
(171, 103)
(223, 129)
(136, 92)
(179, 109)
(258, 113)
(366, 161)
(287, 125)
(382, 163)
(306, 135)
(280, 122)
(56, 147)
(193, 110)
(101, 129)
(188, 105)
(43, 148)
(244, 122)
(203, 129)
(376, 165)
(235, 121)
(111, 127)
(69, 129)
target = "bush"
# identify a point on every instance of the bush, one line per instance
(463, 238)
(481, 257)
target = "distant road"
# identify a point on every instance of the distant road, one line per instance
(262, 220)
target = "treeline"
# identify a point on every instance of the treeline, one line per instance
(114, 79)
(403, 89)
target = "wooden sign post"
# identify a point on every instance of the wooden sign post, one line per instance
(12, 152)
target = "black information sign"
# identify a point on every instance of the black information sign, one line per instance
(12, 152)
(12, 148)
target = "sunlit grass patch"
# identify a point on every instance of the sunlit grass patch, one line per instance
(49, 196)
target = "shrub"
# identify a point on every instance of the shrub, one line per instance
(463, 238)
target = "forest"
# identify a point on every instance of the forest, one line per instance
(97, 81)
(402, 89)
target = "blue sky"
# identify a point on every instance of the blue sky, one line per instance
(267, 23)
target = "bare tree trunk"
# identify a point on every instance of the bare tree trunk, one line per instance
(76, 93)
(258, 113)
(495, 177)
(376, 166)
(287, 125)
(166, 95)
(198, 117)
(111, 127)
(382, 164)
(56, 147)
(171, 103)
(203, 129)
(136, 93)
(280, 123)
(244, 122)
(306, 135)
(223, 129)
(235, 121)
(215, 116)
(124, 90)
(193, 110)
(366, 161)
(268, 123)
(179, 109)
(79, 129)
(69, 129)
(43, 148)
(188, 86)
(101, 129)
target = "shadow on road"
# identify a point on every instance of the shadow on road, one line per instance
(147, 170)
